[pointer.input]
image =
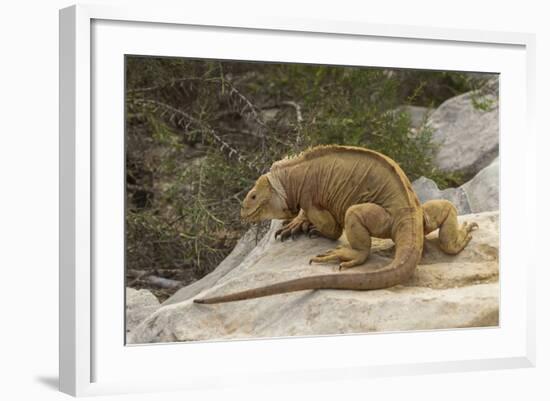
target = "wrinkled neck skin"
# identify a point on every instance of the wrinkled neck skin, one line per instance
(291, 185)
(278, 205)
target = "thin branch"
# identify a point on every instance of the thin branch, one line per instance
(183, 116)
(298, 109)
(170, 84)
(138, 277)
(162, 282)
(251, 133)
(248, 103)
(299, 119)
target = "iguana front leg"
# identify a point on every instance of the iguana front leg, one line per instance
(324, 224)
(315, 221)
(299, 224)
(361, 222)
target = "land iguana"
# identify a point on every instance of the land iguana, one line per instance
(329, 189)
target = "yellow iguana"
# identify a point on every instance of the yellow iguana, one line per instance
(330, 189)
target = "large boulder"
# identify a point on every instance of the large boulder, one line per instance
(466, 128)
(480, 194)
(445, 292)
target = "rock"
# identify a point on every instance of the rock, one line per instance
(480, 194)
(139, 305)
(468, 135)
(483, 190)
(248, 241)
(427, 189)
(445, 292)
(269, 115)
(417, 114)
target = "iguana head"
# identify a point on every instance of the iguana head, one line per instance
(264, 203)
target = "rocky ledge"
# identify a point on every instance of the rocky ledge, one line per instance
(445, 292)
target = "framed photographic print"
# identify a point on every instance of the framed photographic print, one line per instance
(292, 199)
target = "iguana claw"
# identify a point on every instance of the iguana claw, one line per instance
(313, 233)
(293, 228)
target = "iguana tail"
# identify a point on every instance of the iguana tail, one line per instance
(409, 242)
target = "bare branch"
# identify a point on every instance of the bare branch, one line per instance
(248, 104)
(299, 119)
(172, 83)
(298, 109)
(155, 106)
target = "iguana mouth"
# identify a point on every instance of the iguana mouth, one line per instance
(250, 216)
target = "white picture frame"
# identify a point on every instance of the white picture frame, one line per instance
(93, 357)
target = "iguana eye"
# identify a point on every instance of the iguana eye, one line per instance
(253, 196)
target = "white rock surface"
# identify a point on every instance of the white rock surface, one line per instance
(483, 190)
(139, 305)
(445, 292)
(468, 137)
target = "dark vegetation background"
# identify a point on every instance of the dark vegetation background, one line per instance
(200, 132)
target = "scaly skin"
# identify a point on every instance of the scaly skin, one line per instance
(330, 189)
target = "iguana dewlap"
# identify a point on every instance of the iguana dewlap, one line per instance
(334, 189)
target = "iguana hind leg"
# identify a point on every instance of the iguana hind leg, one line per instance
(361, 221)
(442, 214)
